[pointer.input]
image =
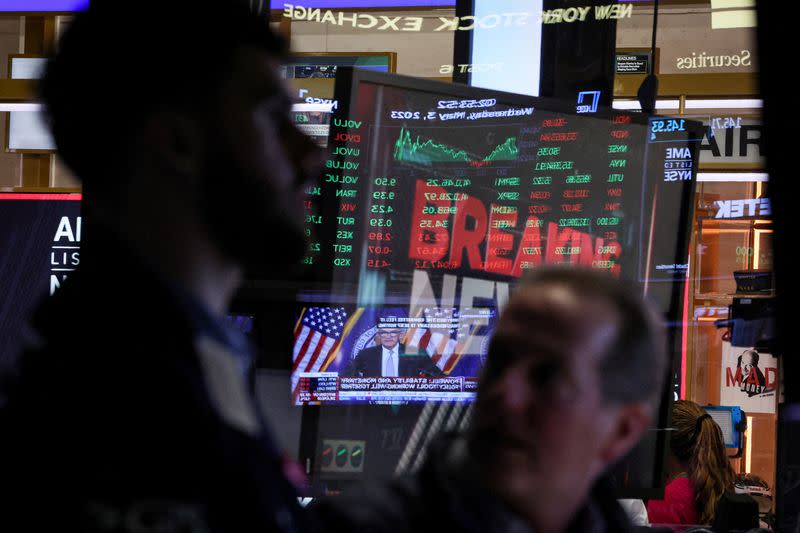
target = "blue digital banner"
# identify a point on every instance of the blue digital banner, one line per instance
(28, 6)
(33, 6)
(364, 4)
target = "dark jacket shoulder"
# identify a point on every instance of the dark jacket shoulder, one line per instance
(111, 414)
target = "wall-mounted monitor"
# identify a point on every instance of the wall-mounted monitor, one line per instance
(324, 64)
(730, 421)
(437, 198)
(314, 120)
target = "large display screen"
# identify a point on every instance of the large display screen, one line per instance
(437, 198)
(40, 238)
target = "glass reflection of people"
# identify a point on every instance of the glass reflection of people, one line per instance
(135, 408)
(388, 358)
(753, 380)
(571, 381)
(698, 468)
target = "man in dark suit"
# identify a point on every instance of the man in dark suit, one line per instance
(135, 410)
(389, 358)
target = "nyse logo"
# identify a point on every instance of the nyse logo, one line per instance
(678, 164)
(677, 175)
(318, 101)
(743, 208)
(586, 96)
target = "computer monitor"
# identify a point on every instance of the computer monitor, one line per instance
(435, 200)
(314, 120)
(730, 421)
(325, 64)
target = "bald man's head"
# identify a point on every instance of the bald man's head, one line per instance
(574, 371)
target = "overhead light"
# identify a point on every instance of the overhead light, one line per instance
(732, 177)
(721, 103)
(727, 14)
(751, 103)
(739, 18)
(12, 107)
(312, 108)
(733, 4)
(633, 105)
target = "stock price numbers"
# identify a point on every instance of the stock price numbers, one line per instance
(447, 182)
(667, 125)
(723, 123)
(379, 250)
(385, 182)
(378, 263)
(379, 236)
(667, 129)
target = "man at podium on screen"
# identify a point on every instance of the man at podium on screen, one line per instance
(389, 358)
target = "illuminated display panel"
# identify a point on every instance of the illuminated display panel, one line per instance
(364, 4)
(39, 247)
(437, 198)
(35, 6)
(324, 66)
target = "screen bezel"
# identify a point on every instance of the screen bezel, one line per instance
(347, 79)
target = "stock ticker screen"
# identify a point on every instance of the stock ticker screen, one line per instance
(437, 198)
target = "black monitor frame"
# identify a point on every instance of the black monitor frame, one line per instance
(348, 79)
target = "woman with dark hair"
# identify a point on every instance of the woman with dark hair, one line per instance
(698, 468)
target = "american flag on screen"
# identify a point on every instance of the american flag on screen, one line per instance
(445, 347)
(317, 338)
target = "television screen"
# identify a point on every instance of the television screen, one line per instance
(383, 355)
(437, 198)
(40, 238)
(309, 65)
(314, 120)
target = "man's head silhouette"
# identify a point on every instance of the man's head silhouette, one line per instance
(175, 119)
(573, 375)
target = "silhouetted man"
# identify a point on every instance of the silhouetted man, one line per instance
(573, 374)
(135, 411)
